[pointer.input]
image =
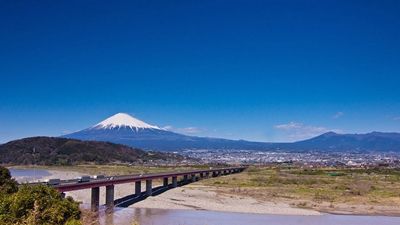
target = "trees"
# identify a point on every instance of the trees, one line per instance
(34, 204)
(7, 184)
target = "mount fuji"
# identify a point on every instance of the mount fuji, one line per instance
(122, 128)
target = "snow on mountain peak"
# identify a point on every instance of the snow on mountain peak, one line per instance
(124, 120)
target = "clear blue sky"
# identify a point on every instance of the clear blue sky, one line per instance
(256, 70)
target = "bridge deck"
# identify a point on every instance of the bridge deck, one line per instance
(72, 185)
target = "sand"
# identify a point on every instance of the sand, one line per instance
(190, 197)
(198, 197)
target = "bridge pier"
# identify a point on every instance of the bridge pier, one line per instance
(95, 201)
(201, 175)
(138, 188)
(149, 190)
(109, 197)
(185, 178)
(193, 177)
(175, 182)
(165, 181)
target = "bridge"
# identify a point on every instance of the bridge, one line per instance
(170, 180)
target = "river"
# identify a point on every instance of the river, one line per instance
(28, 175)
(142, 216)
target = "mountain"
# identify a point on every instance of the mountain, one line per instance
(63, 151)
(374, 141)
(124, 129)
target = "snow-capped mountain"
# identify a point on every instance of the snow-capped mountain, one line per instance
(123, 120)
(122, 128)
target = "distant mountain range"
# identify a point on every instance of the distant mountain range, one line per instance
(63, 151)
(124, 129)
(333, 142)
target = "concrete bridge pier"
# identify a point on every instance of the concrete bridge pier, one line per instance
(201, 175)
(185, 178)
(95, 200)
(193, 178)
(165, 181)
(149, 190)
(110, 197)
(174, 182)
(138, 188)
(207, 174)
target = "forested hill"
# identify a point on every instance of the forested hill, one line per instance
(63, 151)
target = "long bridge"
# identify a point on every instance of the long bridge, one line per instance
(170, 180)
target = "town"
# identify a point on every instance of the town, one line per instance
(306, 159)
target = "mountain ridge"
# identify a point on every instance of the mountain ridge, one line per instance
(150, 137)
(63, 151)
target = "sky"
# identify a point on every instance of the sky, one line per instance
(255, 70)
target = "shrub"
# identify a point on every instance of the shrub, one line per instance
(35, 204)
(7, 184)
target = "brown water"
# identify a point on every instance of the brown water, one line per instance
(126, 216)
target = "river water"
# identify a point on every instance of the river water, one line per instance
(142, 216)
(28, 175)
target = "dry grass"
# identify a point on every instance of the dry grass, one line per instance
(314, 187)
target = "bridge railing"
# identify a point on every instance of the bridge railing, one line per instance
(113, 180)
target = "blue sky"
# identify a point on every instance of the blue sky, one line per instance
(256, 70)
